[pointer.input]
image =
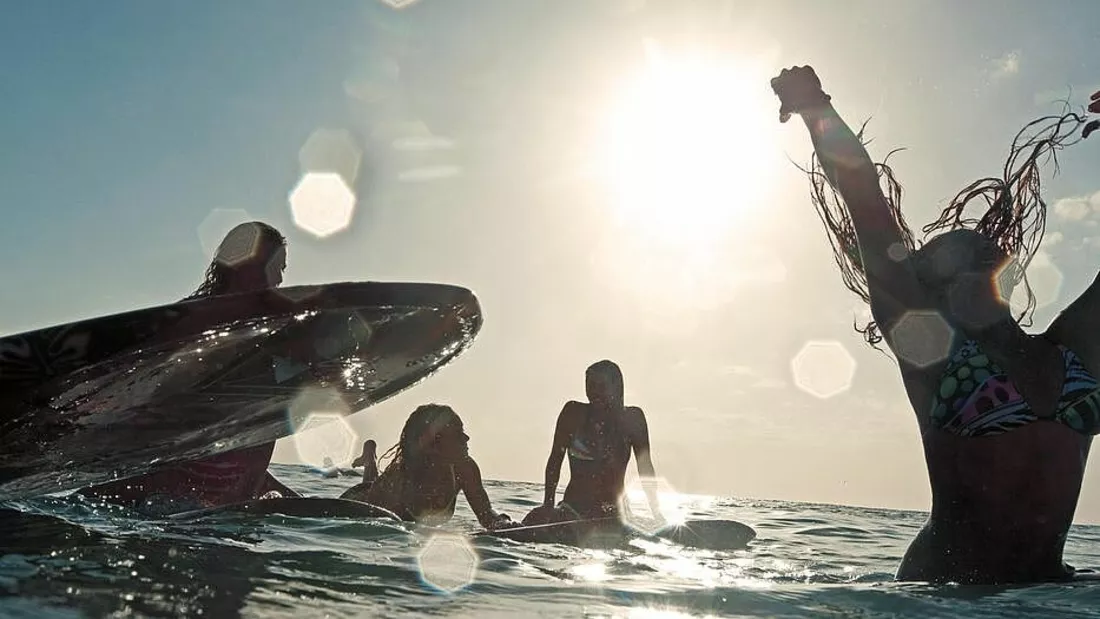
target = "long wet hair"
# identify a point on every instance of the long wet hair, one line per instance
(421, 428)
(250, 245)
(1014, 216)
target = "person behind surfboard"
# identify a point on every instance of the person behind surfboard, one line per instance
(598, 437)
(251, 257)
(1006, 417)
(430, 464)
(369, 461)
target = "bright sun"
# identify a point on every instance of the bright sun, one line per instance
(690, 148)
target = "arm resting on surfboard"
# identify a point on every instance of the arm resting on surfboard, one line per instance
(469, 479)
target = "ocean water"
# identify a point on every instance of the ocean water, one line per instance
(62, 557)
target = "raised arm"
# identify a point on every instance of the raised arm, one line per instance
(563, 433)
(891, 282)
(469, 479)
(1078, 326)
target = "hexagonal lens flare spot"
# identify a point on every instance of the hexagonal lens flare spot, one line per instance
(448, 562)
(1006, 279)
(637, 511)
(326, 438)
(299, 293)
(331, 150)
(310, 401)
(399, 4)
(823, 368)
(217, 223)
(922, 337)
(322, 203)
(240, 245)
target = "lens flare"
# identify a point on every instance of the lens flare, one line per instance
(448, 562)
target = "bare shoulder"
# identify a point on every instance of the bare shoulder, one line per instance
(468, 470)
(634, 418)
(574, 406)
(573, 411)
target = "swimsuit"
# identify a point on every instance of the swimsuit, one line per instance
(976, 397)
(589, 452)
(580, 449)
(591, 446)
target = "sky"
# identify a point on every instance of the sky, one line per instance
(609, 176)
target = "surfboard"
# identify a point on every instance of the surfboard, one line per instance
(709, 534)
(603, 532)
(117, 396)
(336, 472)
(590, 532)
(302, 507)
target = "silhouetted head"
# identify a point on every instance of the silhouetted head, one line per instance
(433, 433)
(968, 277)
(369, 447)
(603, 383)
(252, 256)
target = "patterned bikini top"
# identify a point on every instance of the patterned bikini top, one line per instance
(976, 397)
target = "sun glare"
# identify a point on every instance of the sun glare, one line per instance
(689, 147)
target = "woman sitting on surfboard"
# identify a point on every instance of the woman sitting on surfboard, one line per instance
(598, 437)
(251, 257)
(430, 464)
(1006, 417)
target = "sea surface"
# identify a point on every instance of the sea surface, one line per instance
(64, 557)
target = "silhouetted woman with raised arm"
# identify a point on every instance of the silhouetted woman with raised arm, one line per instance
(1006, 417)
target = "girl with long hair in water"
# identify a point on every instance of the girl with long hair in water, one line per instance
(428, 467)
(1006, 417)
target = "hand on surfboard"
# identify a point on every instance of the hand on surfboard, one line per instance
(503, 521)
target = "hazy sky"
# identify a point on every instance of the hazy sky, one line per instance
(608, 176)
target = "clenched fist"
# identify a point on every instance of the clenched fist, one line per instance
(798, 89)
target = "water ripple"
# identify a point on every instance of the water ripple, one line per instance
(68, 557)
